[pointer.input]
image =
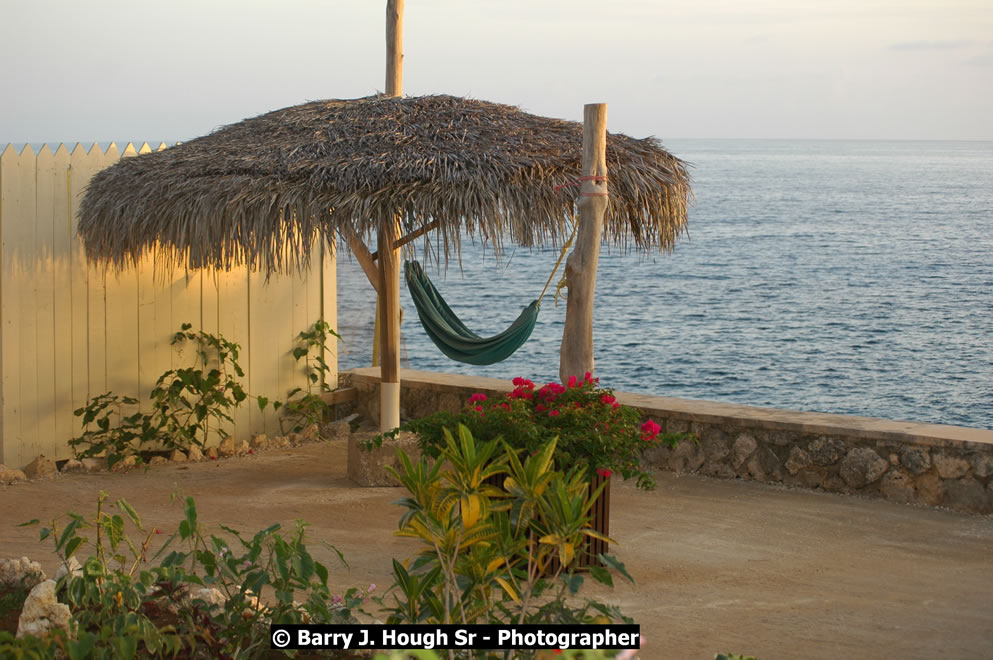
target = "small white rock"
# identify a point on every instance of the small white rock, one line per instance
(10, 475)
(42, 612)
(69, 567)
(23, 571)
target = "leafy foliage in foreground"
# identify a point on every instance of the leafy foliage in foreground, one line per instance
(122, 608)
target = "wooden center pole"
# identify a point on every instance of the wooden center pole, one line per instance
(576, 355)
(389, 256)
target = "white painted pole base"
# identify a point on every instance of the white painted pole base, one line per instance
(389, 406)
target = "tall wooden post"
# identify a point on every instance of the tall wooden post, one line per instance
(394, 47)
(576, 355)
(389, 257)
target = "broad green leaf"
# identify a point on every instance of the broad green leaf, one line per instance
(131, 513)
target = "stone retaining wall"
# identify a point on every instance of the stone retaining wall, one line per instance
(907, 462)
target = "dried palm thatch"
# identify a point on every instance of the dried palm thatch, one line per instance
(260, 191)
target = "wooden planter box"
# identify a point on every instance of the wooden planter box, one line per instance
(599, 521)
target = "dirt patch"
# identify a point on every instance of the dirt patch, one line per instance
(719, 564)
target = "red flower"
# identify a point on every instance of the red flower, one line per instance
(478, 409)
(477, 397)
(572, 382)
(554, 413)
(603, 472)
(588, 378)
(540, 408)
(607, 399)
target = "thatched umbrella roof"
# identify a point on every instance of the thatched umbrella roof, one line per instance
(258, 191)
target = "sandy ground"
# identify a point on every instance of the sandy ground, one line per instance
(719, 565)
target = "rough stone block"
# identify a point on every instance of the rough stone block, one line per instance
(916, 459)
(862, 466)
(930, 489)
(744, 446)
(797, 460)
(657, 457)
(982, 465)
(714, 444)
(73, 465)
(227, 447)
(808, 478)
(42, 612)
(967, 495)
(259, 442)
(125, 464)
(158, 460)
(195, 453)
(337, 430)
(368, 468)
(688, 456)
(18, 572)
(765, 465)
(41, 467)
(177, 456)
(449, 402)
(718, 470)
(950, 467)
(10, 475)
(826, 451)
(897, 486)
(94, 464)
(834, 484)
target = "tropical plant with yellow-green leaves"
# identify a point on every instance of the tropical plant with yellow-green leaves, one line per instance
(493, 554)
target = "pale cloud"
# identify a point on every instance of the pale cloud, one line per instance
(931, 45)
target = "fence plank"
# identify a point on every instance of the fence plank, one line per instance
(24, 233)
(122, 322)
(16, 189)
(43, 278)
(63, 242)
(232, 322)
(80, 171)
(268, 311)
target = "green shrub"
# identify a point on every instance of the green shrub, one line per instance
(594, 431)
(488, 554)
(122, 607)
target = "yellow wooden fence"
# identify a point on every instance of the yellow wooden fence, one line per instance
(70, 330)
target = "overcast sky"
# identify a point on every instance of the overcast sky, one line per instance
(171, 70)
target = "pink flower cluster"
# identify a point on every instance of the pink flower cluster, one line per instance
(649, 431)
(523, 389)
(476, 399)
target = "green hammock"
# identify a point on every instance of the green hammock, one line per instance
(450, 335)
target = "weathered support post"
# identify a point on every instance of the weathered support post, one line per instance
(389, 256)
(394, 47)
(576, 355)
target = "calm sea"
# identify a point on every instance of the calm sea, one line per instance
(845, 277)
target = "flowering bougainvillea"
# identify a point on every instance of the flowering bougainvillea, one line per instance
(593, 429)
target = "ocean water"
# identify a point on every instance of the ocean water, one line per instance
(833, 276)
